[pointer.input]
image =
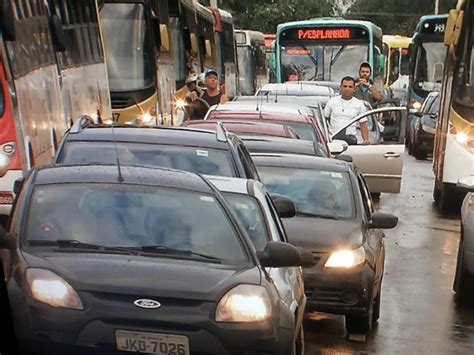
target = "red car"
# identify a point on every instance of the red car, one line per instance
(247, 128)
(305, 126)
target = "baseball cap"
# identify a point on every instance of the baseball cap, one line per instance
(211, 72)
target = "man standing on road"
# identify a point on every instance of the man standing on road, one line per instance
(342, 109)
(365, 89)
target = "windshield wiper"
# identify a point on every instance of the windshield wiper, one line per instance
(325, 216)
(335, 58)
(161, 249)
(77, 244)
(315, 62)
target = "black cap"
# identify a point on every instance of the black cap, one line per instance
(211, 72)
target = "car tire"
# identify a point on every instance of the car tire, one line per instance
(463, 282)
(361, 324)
(298, 346)
(417, 153)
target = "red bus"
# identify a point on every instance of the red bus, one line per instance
(10, 161)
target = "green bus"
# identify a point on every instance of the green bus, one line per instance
(327, 49)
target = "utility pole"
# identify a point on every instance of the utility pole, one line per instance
(436, 7)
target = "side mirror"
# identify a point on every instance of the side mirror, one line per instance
(284, 206)
(336, 148)
(307, 258)
(466, 184)
(279, 254)
(346, 158)
(17, 185)
(383, 221)
(8, 21)
(6, 242)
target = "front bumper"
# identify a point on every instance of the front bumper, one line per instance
(41, 329)
(346, 292)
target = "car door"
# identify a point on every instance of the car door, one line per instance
(381, 162)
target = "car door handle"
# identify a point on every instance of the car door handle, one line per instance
(391, 155)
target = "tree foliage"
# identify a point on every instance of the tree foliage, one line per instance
(265, 15)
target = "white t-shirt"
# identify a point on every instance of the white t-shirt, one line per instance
(340, 112)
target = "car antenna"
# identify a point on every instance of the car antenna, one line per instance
(120, 177)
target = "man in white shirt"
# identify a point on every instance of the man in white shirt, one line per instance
(342, 109)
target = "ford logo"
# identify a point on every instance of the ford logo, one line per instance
(148, 304)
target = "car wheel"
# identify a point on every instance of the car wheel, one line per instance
(463, 282)
(361, 324)
(417, 153)
(298, 346)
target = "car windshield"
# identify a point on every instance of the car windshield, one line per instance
(314, 192)
(129, 59)
(193, 159)
(132, 216)
(316, 62)
(250, 214)
(305, 131)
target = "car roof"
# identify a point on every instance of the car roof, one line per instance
(300, 161)
(108, 174)
(150, 135)
(230, 184)
(244, 127)
(255, 115)
(296, 89)
(287, 100)
(263, 107)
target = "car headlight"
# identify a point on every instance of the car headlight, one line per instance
(244, 303)
(346, 258)
(47, 287)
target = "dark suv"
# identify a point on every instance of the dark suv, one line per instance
(107, 260)
(198, 151)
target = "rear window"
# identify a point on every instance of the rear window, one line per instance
(194, 159)
(304, 130)
(132, 216)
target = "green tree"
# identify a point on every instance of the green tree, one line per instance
(265, 15)
(396, 16)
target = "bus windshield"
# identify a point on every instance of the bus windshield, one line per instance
(129, 62)
(429, 66)
(321, 62)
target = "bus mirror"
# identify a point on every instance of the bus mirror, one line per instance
(7, 21)
(58, 34)
(165, 38)
(453, 27)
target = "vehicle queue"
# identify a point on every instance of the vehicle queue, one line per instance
(215, 237)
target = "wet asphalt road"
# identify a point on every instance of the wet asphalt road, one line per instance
(418, 314)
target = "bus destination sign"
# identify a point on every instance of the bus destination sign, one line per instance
(325, 34)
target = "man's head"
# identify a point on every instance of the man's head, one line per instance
(365, 70)
(347, 87)
(212, 79)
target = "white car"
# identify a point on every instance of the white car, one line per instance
(464, 277)
(258, 214)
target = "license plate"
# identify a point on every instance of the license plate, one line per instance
(152, 343)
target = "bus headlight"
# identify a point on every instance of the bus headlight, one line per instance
(180, 104)
(462, 138)
(244, 303)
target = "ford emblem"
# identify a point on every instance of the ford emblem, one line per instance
(148, 304)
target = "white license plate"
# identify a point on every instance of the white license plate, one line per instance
(152, 343)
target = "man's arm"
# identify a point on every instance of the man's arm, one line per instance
(364, 130)
(377, 90)
(224, 98)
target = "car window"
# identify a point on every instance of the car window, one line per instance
(304, 130)
(434, 106)
(314, 192)
(247, 162)
(133, 216)
(427, 104)
(195, 159)
(251, 216)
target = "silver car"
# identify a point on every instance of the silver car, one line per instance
(258, 214)
(464, 278)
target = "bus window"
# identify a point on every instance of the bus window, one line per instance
(394, 70)
(179, 49)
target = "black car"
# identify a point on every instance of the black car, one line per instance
(261, 144)
(423, 128)
(336, 221)
(99, 260)
(194, 150)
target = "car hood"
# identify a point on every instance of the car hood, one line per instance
(323, 235)
(137, 275)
